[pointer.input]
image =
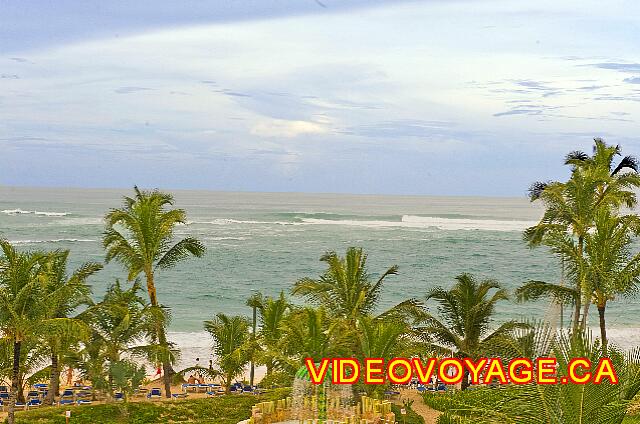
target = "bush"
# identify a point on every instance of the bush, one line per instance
(229, 409)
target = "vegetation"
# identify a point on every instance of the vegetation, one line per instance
(140, 236)
(555, 403)
(221, 410)
(49, 320)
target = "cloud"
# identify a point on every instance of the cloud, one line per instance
(127, 90)
(287, 129)
(632, 80)
(622, 67)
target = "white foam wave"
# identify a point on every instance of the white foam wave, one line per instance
(40, 213)
(69, 240)
(227, 221)
(407, 221)
(450, 224)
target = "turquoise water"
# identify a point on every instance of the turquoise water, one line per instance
(266, 242)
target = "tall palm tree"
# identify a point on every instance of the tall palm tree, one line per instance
(611, 269)
(254, 302)
(346, 288)
(20, 296)
(230, 336)
(467, 312)
(140, 235)
(73, 292)
(595, 182)
(606, 263)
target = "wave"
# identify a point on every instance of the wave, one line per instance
(69, 240)
(226, 221)
(39, 213)
(447, 224)
(404, 221)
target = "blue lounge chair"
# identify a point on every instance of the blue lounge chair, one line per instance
(422, 389)
(65, 402)
(233, 389)
(155, 393)
(118, 396)
(83, 402)
(441, 387)
(179, 395)
(19, 405)
(34, 403)
(68, 393)
(4, 389)
(4, 396)
(33, 394)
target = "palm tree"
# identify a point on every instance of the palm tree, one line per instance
(140, 235)
(311, 333)
(121, 323)
(611, 268)
(73, 292)
(254, 302)
(272, 315)
(570, 207)
(466, 313)
(346, 288)
(230, 335)
(603, 403)
(20, 298)
(607, 264)
(384, 339)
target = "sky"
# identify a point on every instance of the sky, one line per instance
(427, 97)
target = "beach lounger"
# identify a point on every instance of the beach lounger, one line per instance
(155, 393)
(65, 402)
(4, 389)
(4, 396)
(19, 406)
(179, 395)
(118, 396)
(84, 402)
(34, 403)
(67, 393)
(33, 394)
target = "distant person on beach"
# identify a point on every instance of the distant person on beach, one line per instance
(210, 364)
(191, 380)
(158, 371)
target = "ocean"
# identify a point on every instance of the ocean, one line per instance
(266, 241)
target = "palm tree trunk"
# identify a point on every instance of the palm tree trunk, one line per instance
(15, 371)
(603, 328)
(162, 337)
(54, 379)
(253, 336)
(227, 384)
(465, 380)
(578, 305)
(585, 315)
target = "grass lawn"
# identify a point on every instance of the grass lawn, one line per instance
(223, 410)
